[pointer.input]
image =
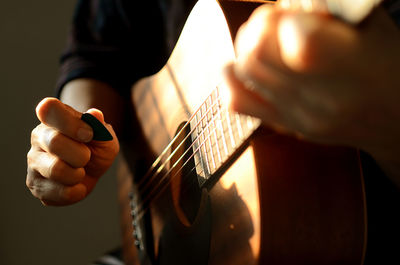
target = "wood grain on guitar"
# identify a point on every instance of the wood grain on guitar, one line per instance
(224, 189)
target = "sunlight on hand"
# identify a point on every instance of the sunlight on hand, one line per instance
(289, 40)
(225, 94)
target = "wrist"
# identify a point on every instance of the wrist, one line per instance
(83, 94)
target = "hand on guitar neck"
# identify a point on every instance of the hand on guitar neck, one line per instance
(322, 79)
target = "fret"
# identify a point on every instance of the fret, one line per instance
(202, 146)
(222, 136)
(216, 142)
(217, 134)
(210, 158)
(222, 122)
(214, 127)
(225, 132)
(209, 119)
(197, 148)
(243, 124)
(249, 122)
(239, 126)
(217, 145)
(211, 148)
(221, 131)
(228, 121)
(203, 112)
(235, 129)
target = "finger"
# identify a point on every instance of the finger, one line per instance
(259, 65)
(257, 40)
(310, 42)
(100, 132)
(251, 102)
(54, 193)
(97, 113)
(102, 154)
(53, 168)
(74, 153)
(64, 119)
(246, 101)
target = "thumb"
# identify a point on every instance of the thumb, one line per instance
(66, 120)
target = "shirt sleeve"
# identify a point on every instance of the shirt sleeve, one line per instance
(114, 41)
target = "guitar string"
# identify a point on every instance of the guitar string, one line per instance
(147, 179)
(173, 167)
(141, 209)
(159, 158)
(187, 150)
(171, 178)
(282, 4)
(164, 178)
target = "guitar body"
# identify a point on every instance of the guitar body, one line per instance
(274, 200)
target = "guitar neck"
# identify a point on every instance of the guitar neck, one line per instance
(217, 133)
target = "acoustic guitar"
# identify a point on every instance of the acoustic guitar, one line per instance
(223, 189)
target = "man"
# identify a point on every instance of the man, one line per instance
(340, 82)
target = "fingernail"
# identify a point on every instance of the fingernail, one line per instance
(85, 134)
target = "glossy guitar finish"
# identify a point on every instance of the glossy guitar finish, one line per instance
(250, 196)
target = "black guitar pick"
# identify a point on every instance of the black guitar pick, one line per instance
(100, 132)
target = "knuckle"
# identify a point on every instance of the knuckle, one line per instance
(75, 176)
(29, 181)
(54, 141)
(80, 174)
(63, 173)
(81, 158)
(86, 154)
(35, 189)
(48, 192)
(35, 134)
(30, 157)
(56, 169)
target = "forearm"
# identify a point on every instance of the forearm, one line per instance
(83, 94)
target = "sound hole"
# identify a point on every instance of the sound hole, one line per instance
(186, 192)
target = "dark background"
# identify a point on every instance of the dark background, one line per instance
(32, 35)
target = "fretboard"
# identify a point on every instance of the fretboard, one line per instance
(217, 133)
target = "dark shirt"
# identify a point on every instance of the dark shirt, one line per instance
(120, 41)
